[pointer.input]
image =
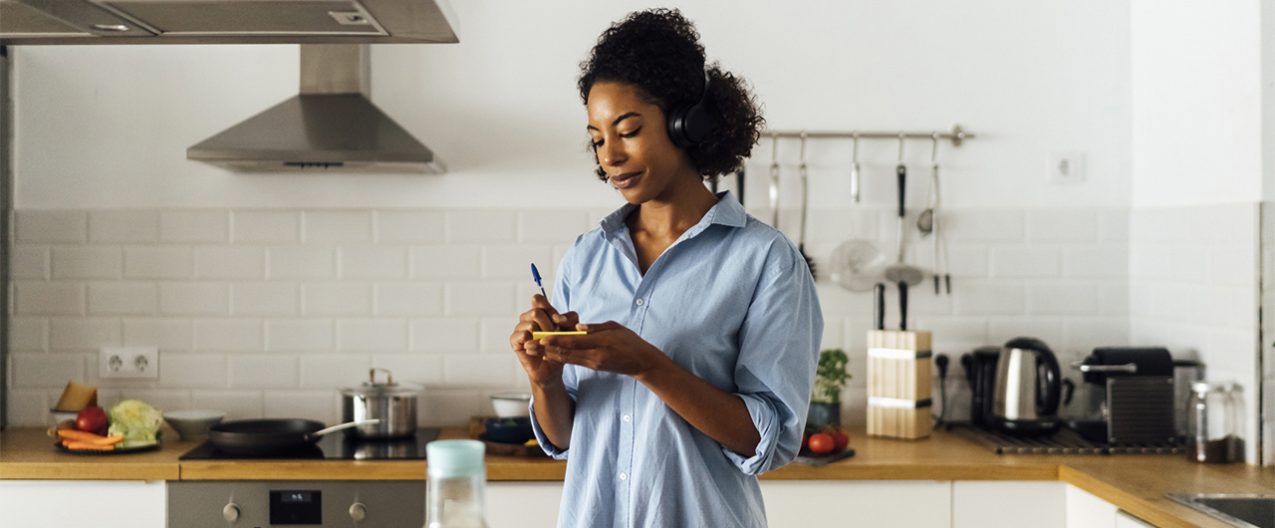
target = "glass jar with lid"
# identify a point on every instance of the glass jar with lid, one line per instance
(1211, 427)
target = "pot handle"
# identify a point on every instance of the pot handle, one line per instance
(371, 375)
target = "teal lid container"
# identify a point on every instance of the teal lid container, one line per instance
(455, 458)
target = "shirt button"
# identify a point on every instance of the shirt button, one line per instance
(624, 476)
(627, 418)
(640, 302)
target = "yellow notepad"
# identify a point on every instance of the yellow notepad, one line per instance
(541, 335)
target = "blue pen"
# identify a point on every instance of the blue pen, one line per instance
(535, 275)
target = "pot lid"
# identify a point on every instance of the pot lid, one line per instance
(371, 387)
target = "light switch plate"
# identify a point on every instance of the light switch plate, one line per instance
(128, 363)
(1066, 167)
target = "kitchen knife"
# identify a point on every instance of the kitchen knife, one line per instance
(903, 305)
(878, 313)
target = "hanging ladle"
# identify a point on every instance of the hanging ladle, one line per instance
(901, 271)
(925, 222)
(854, 171)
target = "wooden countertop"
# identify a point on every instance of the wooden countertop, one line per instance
(1134, 483)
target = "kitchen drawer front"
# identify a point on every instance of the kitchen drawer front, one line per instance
(912, 504)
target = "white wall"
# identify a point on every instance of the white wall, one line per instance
(107, 127)
(1197, 102)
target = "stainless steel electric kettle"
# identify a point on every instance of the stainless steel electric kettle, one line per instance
(1028, 388)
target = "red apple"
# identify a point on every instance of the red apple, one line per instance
(839, 440)
(821, 443)
(92, 420)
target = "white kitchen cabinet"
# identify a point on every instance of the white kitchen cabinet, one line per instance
(95, 503)
(1084, 510)
(1124, 520)
(1012, 504)
(523, 504)
(911, 504)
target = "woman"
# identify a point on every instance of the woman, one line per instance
(703, 326)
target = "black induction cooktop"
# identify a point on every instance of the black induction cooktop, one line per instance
(335, 446)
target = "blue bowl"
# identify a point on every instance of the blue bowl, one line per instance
(514, 430)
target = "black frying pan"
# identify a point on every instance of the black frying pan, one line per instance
(255, 437)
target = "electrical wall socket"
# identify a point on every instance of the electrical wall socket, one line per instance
(128, 363)
(1066, 167)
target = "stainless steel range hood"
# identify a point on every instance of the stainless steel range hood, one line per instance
(225, 21)
(331, 124)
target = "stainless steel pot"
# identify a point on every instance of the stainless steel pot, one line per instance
(393, 404)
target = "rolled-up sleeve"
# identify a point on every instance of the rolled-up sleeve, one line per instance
(779, 349)
(561, 300)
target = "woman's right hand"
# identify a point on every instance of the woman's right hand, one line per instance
(541, 317)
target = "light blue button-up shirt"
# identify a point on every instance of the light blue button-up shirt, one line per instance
(733, 302)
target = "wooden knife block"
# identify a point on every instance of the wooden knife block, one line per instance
(899, 380)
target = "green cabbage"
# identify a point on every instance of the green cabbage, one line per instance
(136, 421)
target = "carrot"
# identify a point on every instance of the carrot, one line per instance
(88, 438)
(86, 446)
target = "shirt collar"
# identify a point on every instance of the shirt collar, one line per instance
(727, 211)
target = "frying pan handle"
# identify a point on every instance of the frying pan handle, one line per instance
(347, 425)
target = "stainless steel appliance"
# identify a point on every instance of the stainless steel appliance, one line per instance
(392, 404)
(225, 21)
(367, 504)
(1127, 397)
(1028, 388)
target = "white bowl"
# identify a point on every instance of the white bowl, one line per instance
(62, 416)
(193, 423)
(511, 404)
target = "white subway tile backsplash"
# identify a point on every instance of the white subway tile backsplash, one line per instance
(266, 226)
(162, 399)
(318, 405)
(238, 405)
(330, 371)
(482, 226)
(229, 334)
(336, 298)
(301, 263)
(28, 334)
(165, 334)
(194, 226)
(28, 407)
(123, 298)
(480, 298)
(299, 334)
(1065, 297)
(1096, 261)
(1026, 261)
(337, 226)
(51, 226)
(409, 298)
(194, 298)
(1062, 225)
(551, 227)
(1085, 334)
(1165, 262)
(124, 226)
(1114, 298)
(265, 298)
(264, 371)
(1233, 267)
(514, 262)
(1047, 329)
(379, 335)
(447, 262)
(46, 370)
(984, 226)
(158, 263)
(451, 406)
(202, 370)
(83, 334)
(451, 335)
(230, 263)
(412, 368)
(89, 262)
(1113, 226)
(479, 370)
(410, 226)
(968, 261)
(48, 298)
(986, 297)
(494, 333)
(372, 262)
(29, 262)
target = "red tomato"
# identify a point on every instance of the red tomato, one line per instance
(821, 443)
(92, 420)
(840, 440)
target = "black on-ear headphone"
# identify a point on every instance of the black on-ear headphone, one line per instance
(690, 125)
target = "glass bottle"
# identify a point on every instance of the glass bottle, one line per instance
(1210, 424)
(457, 484)
(1235, 406)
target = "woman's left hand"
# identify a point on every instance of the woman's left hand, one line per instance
(608, 347)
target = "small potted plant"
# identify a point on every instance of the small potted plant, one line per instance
(825, 401)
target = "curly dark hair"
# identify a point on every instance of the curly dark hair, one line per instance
(658, 51)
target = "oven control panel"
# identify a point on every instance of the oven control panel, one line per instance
(258, 504)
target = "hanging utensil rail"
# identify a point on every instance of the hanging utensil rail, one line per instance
(956, 135)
